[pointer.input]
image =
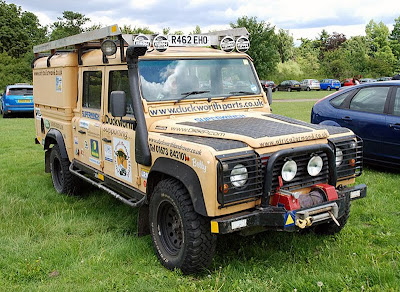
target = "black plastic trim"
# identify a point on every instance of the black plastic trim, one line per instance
(56, 135)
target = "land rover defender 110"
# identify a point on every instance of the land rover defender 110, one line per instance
(179, 126)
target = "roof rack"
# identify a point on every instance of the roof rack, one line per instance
(227, 40)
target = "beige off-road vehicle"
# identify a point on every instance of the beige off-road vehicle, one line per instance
(183, 130)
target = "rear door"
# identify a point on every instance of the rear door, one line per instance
(392, 132)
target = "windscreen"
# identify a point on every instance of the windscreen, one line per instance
(163, 80)
(20, 91)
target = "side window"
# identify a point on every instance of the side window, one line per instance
(338, 101)
(118, 81)
(371, 99)
(92, 89)
(396, 109)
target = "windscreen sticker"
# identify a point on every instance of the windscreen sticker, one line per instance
(199, 108)
(218, 118)
(122, 159)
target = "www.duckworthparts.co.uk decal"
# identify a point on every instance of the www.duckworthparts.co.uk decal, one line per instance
(200, 108)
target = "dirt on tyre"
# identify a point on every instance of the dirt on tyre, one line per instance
(63, 180)
(331, 227)
(181, 237)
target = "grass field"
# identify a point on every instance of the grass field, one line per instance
(51, 242)
(300, 94)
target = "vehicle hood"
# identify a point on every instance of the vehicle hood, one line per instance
(256, 129)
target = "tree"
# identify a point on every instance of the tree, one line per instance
(395, 43)
(70, 23)
(335, 41)
(285, 45)
(263, 41)
(197, 30)
(321, 43)
(136, 30)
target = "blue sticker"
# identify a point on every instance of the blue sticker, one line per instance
(290, 218)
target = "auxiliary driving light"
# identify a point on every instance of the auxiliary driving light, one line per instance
(314, 166)
(289, 170)
(108, 47)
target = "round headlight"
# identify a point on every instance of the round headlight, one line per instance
(289, 170)
(314, 166)
(239, 175)
(339, 156)
(108, 47)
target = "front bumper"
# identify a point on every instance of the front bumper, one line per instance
(277, 218)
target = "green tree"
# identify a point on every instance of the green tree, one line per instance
(70, 23)
(136, 30)
(197, 30)
(395, 43)
(285, 45)
(263, 41)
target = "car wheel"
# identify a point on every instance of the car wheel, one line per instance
(331, 228)
(289, 89)
(328, 88)
(308, 88)
(181, 237)
(63, 180)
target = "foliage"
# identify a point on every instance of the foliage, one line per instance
(263, 41)
(197, 30)
(70, 23)
(285, 45)
(136, 30)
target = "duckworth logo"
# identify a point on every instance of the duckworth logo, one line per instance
(199, 108)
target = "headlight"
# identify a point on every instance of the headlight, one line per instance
(239, 175)
(314, 166)
(289, 170)
(339, 156)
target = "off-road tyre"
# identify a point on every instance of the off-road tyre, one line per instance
(331, 227)
(181, 237)
(63, 180)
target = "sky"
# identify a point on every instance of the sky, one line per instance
(303, 19)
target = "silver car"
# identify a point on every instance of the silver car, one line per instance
(310, 84)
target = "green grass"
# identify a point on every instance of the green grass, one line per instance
(52, 242)
(300, 94)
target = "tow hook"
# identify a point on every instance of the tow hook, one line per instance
(333, 218)
(303, 223)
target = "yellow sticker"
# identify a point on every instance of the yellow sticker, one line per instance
(245, 61)
(101, 177)
(114, 28)
(289, 220)
(214, 227)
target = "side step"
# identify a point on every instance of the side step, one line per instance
(130, 202)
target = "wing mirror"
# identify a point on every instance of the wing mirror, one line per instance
(269, 95)
(118, 104)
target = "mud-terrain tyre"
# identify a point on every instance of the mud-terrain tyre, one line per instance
(63, 180)
(331, 227)
(181, 237)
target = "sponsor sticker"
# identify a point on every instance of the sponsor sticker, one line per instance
(38, 114)
(94, 148)
(86, 144)
(76, 140)
(58, 83)
(47, 124)
(94, 161)
(90, 115)
(199, 164)
(108, 153)
(144, 173)
(122, 159)
(84, 124)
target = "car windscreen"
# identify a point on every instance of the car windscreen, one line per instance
(20, 91)
(163, 80)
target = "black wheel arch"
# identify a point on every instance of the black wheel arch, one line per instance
(165, 167)
(53, 137)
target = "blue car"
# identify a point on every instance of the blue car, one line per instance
(17, 98)
(329, 84)
(371, 111)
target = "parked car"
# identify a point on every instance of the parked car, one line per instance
(329, 84)
(289, 85)
(268, 83)
(384, 79)
(17, 98)
(371, 111)
(367, 80)
(347, 82)
(310, 84)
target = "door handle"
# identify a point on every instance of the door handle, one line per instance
(347, 119)
(82, 132)
(106, 140)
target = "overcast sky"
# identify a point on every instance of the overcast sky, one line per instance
(305, 18)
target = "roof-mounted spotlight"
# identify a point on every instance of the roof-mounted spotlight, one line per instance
(108, 47)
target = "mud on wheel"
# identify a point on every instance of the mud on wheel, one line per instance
(181, 237)
(63, 180)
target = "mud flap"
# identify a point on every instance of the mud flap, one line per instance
(143, 227)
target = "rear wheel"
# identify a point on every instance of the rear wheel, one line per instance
(328, 88)
(308, 88)
(289, 89)
(331, 228)
(181, 237)
(63, 180)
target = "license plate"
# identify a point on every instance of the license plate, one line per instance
(189, 40)
(24, 101)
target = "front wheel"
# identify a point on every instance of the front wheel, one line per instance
(328, 88)
(331, 227)
(181, 237)
(289, 89)
(308, 88)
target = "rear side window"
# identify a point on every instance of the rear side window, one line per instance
(92, 89)
(20, 91)
(338, 101)
(371, 99)
(396, 109)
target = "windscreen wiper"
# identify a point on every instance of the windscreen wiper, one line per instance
(236, 93)
(186, 94)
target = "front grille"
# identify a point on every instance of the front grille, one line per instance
(352, 150)
(252, 189)
(302, 178)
